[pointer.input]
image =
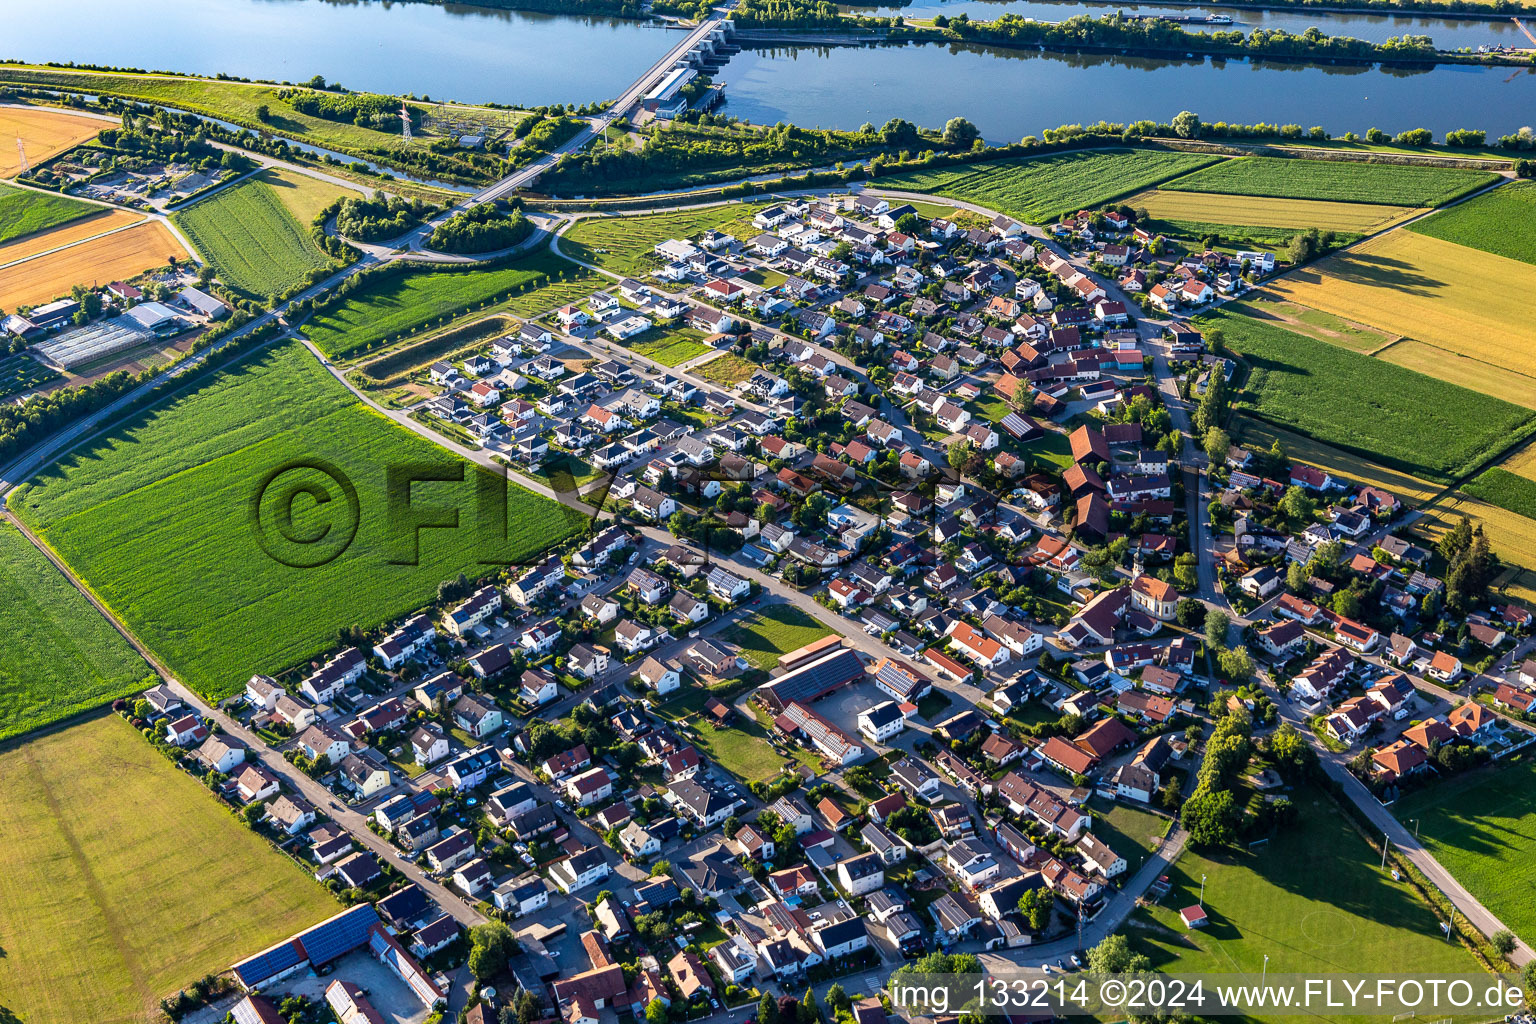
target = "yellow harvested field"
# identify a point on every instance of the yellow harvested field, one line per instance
(1412, 490)
(67, 234)
(45, 133)
(1459, 369)
(1446, 295)
(1512, 536)
(1259, 211)
(1522, 462)
(100, 261)
(304, 196)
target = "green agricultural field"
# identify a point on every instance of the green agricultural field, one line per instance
(765, 634)
(23, 212)
(1502, 222)
(60, 656)
(1398, 417)
(1041, 189)
(161, 519)
(1507, 490)
(252, 241)
(21, 372)
(623, 244)
(126, 880)
(1337, 180)
(392, 306)
(1482, 829)
(1313, 899)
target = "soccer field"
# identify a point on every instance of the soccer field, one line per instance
(1313, 899)
(170, 520)
(1482, 829)
(125, 880)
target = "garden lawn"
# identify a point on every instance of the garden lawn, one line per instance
(392, 306)
(1502, 222)
(669, 347)
(60, 656)
(1482, 829)
(1459, 300)
(23, 212)
(741, 748)
(767, 633)
(1402, 419)
(1505, 489)
(1043, 188)
(157, 518)
(1334, 180)
(1130, 831)
(126, 880)
(1313, 899)
(623, 244)
(251, 239)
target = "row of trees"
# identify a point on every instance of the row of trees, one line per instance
(1156, 34)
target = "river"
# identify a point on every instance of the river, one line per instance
(1013, 93)
(479, 54)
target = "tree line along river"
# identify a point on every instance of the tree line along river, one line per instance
(479, 54)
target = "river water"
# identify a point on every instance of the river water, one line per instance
(478, 54)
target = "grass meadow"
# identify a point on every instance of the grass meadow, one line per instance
(1502, 222)
(1507, 490)
(727, 369)
(1333, 180)
(61, 657)
(1402, 419)
(1446, 295)
(765, 634)
(1482, 828)
(251, 239)
(100, 261)
(1313, 899)
(160, 518)
(1041, 189)
(23, 212)
(393, 307)
(623, 244)
(126, 880)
